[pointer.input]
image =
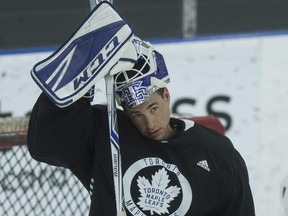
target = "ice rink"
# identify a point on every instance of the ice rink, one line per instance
(241, 79)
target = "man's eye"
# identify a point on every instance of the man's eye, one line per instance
(153, 109)
(136, 115)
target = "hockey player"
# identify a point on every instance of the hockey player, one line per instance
(170, 166)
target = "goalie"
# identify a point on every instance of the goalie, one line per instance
(170, 166)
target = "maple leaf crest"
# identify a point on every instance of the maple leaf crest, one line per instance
(156, 197)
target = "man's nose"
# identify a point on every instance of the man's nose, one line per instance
(150, 122)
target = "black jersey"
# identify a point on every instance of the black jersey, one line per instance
(197, 172)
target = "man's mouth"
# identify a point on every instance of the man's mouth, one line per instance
(154, 133)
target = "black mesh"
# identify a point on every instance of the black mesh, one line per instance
(142, 65)
(30, 188)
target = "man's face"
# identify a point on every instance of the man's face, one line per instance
(152, 117)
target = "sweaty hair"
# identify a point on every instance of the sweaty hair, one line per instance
(160, 92)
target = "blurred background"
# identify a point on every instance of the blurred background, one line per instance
(226, 58)
(41, 23)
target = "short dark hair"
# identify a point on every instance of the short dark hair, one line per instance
(160, 91)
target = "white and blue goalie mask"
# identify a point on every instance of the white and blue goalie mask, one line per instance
(149, 73)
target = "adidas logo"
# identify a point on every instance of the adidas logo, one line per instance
(91, 186)
(204, 165)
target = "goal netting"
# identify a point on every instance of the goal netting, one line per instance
(31, 188)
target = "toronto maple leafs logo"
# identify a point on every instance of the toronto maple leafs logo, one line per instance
(154, 187)
(156, 196)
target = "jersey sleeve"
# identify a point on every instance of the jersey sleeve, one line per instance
(62, 137)
(239, 201)
(231, 171)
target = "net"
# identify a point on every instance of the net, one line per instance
(31, 188)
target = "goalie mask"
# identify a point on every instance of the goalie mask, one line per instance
(149, 73)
